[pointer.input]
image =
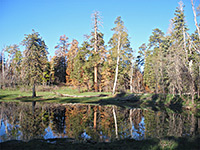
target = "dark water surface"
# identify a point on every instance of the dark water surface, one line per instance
(26, 121)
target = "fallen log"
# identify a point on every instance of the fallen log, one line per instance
(80, 96)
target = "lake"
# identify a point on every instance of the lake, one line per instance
(81, 122)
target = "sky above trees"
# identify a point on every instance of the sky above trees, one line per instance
(53, 18)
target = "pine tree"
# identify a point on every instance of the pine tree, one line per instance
(70, 61)
(35, 58)
(120, 53)
(180, 28)
(153, 66)
(178, 52)
(95, 43)
(60, 59)
(98, 57)
(82, 72)
(142, 55)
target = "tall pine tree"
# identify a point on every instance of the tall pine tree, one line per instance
(121, 53)
(35, 58)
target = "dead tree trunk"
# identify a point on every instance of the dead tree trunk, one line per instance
(115, 119)
(95, 51)
(117, 66)
(195, 18)
(131, 77)
(184, 38)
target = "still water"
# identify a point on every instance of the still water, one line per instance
(26, 121)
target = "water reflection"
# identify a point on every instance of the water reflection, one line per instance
(26, 121)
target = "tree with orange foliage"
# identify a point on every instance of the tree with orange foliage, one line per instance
(70, 62)
(81, 71)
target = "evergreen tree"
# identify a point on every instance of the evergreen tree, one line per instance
(60, 60)
(71, 61)
(153, 72)
(82, 73)
(96, 42)
(13, 65)
(98, 57)
(142, 55)
(180, 28)
(35, 58)
(121, 53)
(178, 54)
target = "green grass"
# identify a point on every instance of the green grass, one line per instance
(46, 94)
(72, 91)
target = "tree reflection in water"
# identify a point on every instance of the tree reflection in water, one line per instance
(26, 121)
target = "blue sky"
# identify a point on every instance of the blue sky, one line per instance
(52, 18)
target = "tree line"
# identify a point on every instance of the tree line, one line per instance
(168, 63)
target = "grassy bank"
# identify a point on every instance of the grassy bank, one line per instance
(47, 94)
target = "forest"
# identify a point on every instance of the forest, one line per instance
(168, 64)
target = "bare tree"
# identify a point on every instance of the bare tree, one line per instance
(195, 18)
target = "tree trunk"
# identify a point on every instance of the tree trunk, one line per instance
(131, 123)
(89, 109)
(193, 92)
(3, 72)
(95, 78)
(198, 87)
(184, 39)
(43, 82)
(95, 50)
(198, 123)
(1, 116)
(192, 89)
(156, 86)
(79, 89)
(33, 107)
(95, 117)
(131, 77)
(34, 92)
(193, 125)
(115, 119)
(117, 66)
(6, 126)
(161, 69)
(195, 18)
